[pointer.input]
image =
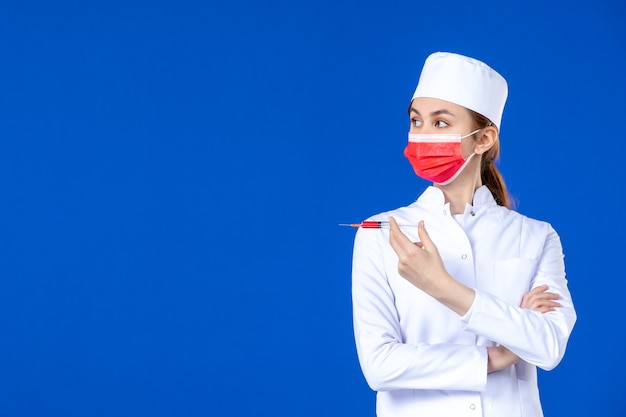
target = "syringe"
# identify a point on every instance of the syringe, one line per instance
(373, 225)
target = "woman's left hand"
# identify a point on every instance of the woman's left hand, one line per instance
(539, 299)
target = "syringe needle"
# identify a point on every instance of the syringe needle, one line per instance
(373, 225)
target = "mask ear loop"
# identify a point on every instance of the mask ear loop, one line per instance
(467, 160)
(456, 174)
(473, 153)
(473, 133)
(476, 131)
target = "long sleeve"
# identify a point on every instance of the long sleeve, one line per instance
(539, 339)
(389, 363)
(421, 357)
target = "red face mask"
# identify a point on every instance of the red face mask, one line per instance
(437, 158)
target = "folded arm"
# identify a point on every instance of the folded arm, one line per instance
(535, 337)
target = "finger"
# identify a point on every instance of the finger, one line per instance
(528, 298)
(541, 300)
(393, 231)
(538, 289)
(537, 295)
(543, 309)
(398, 240)
(549, 296)
(427, 243)
(544, 306)
(543, 297)
(546, 303)
(524, 302)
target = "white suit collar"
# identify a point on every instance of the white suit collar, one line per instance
(434, 196)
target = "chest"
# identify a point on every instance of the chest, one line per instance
(493, 256)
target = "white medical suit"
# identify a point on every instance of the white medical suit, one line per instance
(425, 360)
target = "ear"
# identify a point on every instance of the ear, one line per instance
(485, 139)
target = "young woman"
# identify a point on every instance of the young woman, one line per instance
(461, 298)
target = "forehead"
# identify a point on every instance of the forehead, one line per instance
(426, 106)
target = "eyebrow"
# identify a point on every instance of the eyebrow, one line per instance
(435, 113)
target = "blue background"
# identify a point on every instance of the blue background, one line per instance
(172, 176)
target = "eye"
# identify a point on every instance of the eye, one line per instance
(441, 123)
(416, 122)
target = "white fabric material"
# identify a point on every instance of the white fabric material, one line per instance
(464, 81)
(425, 360)
(438, 138)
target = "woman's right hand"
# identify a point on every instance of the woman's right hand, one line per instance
(537, 299)
(499, 357)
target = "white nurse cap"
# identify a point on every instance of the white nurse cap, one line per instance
(464, 81)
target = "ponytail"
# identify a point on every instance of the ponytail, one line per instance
(490, 174)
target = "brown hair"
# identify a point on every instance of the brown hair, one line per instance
(489, 173)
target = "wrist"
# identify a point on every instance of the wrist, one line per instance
(499, 357)
(454, 295)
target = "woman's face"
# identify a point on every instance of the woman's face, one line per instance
(434, 116)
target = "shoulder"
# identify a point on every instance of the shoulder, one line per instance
(531, 226)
